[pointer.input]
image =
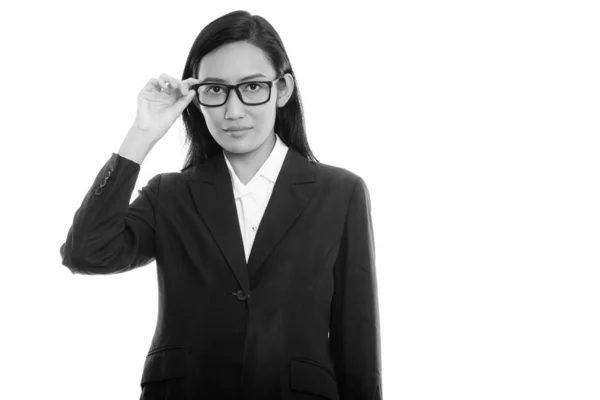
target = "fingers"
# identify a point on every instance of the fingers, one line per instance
(190, 82)
(172, 87)
(152, 84)
(183, 102)
(167, 82)
(155, 84)
(184, 86)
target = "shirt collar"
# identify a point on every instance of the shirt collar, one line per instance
(269, 170)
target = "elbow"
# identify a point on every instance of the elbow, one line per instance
(66, 256)
(73, 260)
(95, 263)
(81, 262)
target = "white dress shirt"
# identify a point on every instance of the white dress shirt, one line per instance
(252, 199)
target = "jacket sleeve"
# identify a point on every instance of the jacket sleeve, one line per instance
(354, 327)
(108, 235)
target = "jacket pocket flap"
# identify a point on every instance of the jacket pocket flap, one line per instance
(165, 363)
(310, 377)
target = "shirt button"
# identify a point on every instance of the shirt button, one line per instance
(254, 228)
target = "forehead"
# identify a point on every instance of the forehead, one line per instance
(233, 61)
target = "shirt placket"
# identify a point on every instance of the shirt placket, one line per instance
(249, 206)
(252, 221)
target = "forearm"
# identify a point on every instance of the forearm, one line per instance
(135, 146)
(108, 234)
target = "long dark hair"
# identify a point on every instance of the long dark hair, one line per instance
(233, 27)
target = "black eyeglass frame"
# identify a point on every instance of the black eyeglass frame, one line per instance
(237, 90)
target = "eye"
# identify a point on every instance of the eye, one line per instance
(253, 87)
(214, 89)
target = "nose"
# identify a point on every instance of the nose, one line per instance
(234, 108)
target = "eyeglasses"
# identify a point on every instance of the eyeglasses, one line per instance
(251, 93)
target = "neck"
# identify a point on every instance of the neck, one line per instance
(246, 165)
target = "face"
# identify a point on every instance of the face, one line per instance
(231, 63)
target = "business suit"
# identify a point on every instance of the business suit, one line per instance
(300, 320)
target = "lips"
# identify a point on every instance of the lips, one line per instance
(237, 128)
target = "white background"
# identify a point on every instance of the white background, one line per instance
(474, 123)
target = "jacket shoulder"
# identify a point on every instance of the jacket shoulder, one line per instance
(344, 182)
(170, 182)
(174, 179)
(334, 175)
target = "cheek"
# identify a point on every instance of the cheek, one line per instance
(211, 116)
(266, 117)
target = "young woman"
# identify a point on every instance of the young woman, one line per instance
(265, 257)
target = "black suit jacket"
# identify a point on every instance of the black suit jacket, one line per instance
(300, 320)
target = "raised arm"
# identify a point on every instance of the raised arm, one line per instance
(108, 235)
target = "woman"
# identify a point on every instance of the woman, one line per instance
(265, 257)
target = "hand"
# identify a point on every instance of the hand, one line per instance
(160, 103)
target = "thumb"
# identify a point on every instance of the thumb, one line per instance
(183, 101)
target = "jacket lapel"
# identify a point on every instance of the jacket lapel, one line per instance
(293, 189)
(212, 192)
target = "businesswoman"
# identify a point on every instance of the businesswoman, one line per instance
(265, 257)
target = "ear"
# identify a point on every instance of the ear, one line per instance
(285, 88)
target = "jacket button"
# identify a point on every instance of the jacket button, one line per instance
(98, 191)
(108, 173)
(103, 183)
(241, 295)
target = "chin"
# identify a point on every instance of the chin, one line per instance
(248, 142)
(237, 149)
(238, 146)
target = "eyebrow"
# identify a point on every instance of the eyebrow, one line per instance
(211, 79)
